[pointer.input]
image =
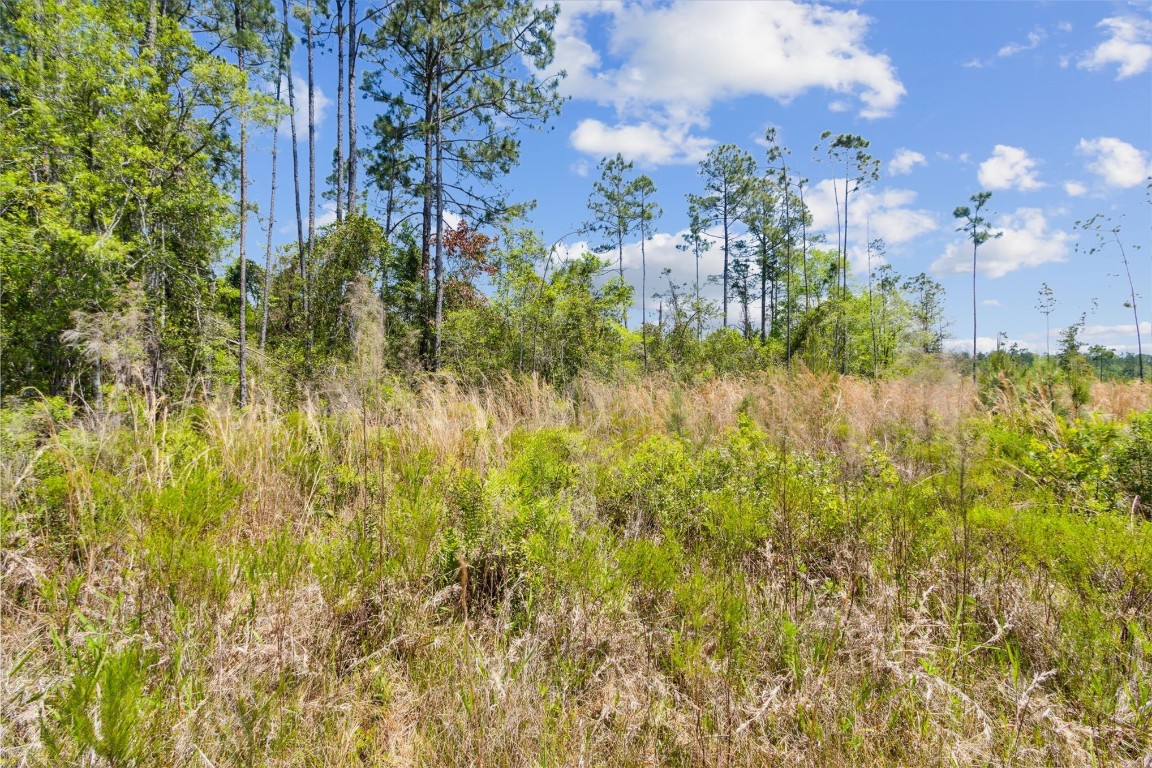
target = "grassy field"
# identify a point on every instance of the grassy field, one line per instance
(763, 571)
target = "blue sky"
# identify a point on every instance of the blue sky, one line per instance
(1047, 105)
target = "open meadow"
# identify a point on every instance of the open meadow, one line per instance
(767, 570)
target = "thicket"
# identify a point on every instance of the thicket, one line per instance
(746, 571)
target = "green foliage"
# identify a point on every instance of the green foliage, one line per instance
(112, 179)
(106, 706)
(1133, 458)
(559, 321)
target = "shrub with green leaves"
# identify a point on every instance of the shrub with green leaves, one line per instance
(1133, 460)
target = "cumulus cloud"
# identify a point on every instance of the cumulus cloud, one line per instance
(300, 87)
(904, 161)
(1009, 168)
(886, 214)
(660, 253)
(664, 66)
(1116, 162)
(1074, 189)
(1129, 46)
(1025, 242)
(645, 142)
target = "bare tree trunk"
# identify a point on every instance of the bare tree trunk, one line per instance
(725, 278)
(306, 258)
(643, 290)
(699, 314)
(353, 48)
(427, 302)
(804, 248)
(439, 208)
(975, 245)
(1135, 314)
(764, 293)
(844, 288)
(150, 31)
(243, 236)
(339, 110)
(296, 179)
(872, 315)
(788, 255)
(271, 201)
(620, 264)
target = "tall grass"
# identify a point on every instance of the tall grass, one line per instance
(747, 571)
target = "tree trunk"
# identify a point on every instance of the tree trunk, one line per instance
(974, 247)
(243, 235)
(643, 289)
(339, 110)
(1135, 313)
(764, 293)
(788, 256)
(296, 183)
(271, 203)
(305, 275)
(725, 278)
(804, 249)
(439, 208)
(620, 264)
(427, 303)
(353, 47)
(699, 314)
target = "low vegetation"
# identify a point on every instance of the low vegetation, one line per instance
(773, 569)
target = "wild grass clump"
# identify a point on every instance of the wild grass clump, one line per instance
(798, 570)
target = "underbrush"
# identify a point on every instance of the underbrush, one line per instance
(804, 571)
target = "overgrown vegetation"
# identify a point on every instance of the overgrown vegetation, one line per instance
(747, 571)
(462, 501)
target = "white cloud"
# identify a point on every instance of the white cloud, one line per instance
(328, 216)
(664, 66)
(1009, 168)
(984, 344)
(1025, 242)
(1116, 162)
(1129, 45)
(1101, 334)
(873, 214)
(904, 161)
(991, 303)
(1074, 189)
(645, 142)
(1119, 338)
(1034, 39)
(300, 94)
(580, 168)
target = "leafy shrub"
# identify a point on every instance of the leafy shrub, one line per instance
(1133, 457)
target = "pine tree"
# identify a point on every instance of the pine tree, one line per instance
(728, 172)
(465, 89)
(977, 228)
